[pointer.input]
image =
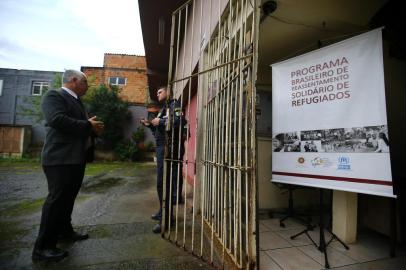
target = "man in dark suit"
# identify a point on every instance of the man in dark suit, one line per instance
(67, 144)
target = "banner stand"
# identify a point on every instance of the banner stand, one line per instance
(393, 229)
(323, 245)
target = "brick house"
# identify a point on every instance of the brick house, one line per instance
(128, 72)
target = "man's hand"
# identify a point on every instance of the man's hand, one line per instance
(97, 126)
(145, 122)
(155, 121)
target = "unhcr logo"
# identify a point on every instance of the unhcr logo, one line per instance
(344, 163)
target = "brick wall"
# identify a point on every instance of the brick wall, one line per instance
(124, 61)
(132, 67)
(97, 72)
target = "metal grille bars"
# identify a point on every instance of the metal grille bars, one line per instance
(217, 221)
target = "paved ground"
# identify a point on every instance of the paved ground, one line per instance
(114, 207)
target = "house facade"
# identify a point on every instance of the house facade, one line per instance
(20, 93)
(128, 72)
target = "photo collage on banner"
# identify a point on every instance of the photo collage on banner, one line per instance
(336, 140)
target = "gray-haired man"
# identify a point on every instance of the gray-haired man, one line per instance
(63, 158)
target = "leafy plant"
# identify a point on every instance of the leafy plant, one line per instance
(105, 103)
(139, 135)
(31, 106)
(126, 150)
(150, 146)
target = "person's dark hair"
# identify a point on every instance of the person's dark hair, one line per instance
(280, 137)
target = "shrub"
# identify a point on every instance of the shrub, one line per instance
(126, 150)
(150, 146)
(105, 103)
(139, 135)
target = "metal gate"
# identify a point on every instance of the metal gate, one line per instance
(217, 222)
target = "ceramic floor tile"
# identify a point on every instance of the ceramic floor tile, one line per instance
(266, 263)
(363, 251)
(270, 240)
(293, 259)
(263, 228)
(315, 235)
(335, 258)
(273, 224)
(386, 264)
(300, 240)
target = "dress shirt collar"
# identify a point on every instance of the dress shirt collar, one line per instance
(70, 92)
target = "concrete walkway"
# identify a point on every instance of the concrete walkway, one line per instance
(114, 206)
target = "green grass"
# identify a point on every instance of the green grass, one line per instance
(102, 167)
(19, 164)
(24, 207)
(91, 168)
(27, 207)
(10, 232)
(124, 168)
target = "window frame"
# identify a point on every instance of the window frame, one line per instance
(117, 78)
(1, 87)
(41, 84)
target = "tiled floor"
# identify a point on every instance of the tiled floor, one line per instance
(279, 252)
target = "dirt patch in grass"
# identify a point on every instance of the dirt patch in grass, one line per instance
(98, 185)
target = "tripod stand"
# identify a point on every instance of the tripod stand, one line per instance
(291, 212)
(323, 245)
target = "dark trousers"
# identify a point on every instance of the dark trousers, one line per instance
(160, 154)
(64, 182)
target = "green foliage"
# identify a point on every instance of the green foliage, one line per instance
(150, 146)
(105, 103)
(92, 86)
(126, 150)
(31, 106)
(139, 135)
(57, 82)
(133, 149)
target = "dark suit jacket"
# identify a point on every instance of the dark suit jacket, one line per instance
(67, 129)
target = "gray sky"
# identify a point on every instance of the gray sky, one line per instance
(62, 34)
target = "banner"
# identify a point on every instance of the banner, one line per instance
(329, 118)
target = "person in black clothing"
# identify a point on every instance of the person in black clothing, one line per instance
(67, 146)
(175, 152)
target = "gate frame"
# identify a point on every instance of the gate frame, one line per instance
(252, 233)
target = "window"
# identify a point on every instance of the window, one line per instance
(38, 88)
(1, 87)
(117, 81)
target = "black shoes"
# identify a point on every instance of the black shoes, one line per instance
(73, 237)
(157, 216)
(52, 254)
(157, 228)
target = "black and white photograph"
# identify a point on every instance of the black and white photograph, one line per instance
(286, 142)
